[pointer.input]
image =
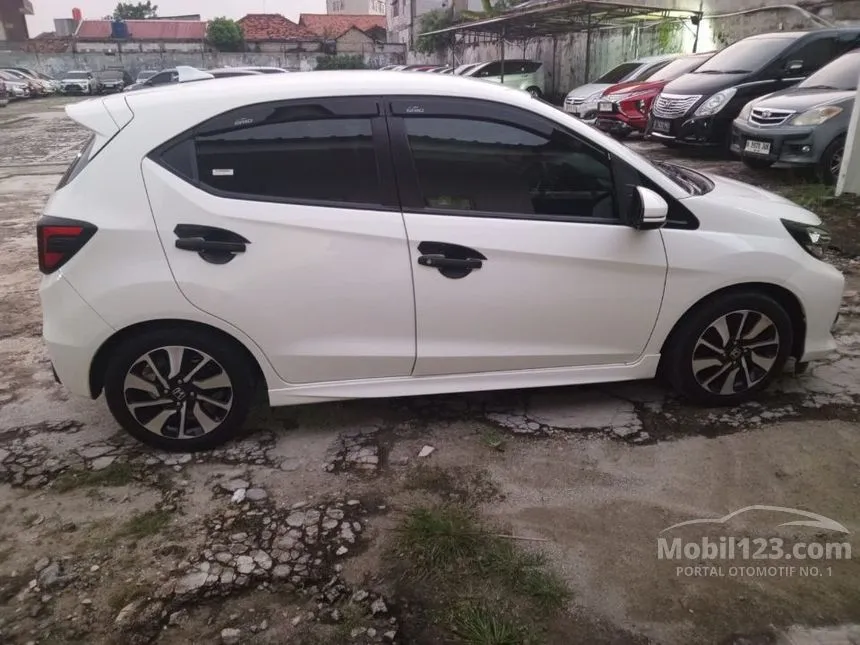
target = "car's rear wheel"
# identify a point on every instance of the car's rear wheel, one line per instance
(756, 164)
(534, 91)
(179, 390)
(831, 161)
(729, 348)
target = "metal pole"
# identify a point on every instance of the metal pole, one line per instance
(502, 53)
(588, 50)
(554, 64)
(698, 25)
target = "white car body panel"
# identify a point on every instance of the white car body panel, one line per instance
(123, 278)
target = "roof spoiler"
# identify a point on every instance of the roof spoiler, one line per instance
(188, 74)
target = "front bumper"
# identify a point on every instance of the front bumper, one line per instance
(690, 130)
(821, 295)
(73, 333)
(793, 145)
(75, 89)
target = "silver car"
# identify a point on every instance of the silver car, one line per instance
(804, 125)
(581, 102)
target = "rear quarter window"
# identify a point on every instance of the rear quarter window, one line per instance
(80, 162)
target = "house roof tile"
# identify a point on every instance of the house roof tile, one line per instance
(272, 26)
(335, 25)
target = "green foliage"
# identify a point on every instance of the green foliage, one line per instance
(225, 35)
(668, 41)
(341, 61)
(135, 10)
(433, 21)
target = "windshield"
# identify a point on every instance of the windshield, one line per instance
(145, 75)
(76, 75)
(676, 68)
(841, 74)
(618, 74)
(18, 76)
(746, 55)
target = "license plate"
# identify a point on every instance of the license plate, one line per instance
(758, 147)
(604, 106)
(662, 126)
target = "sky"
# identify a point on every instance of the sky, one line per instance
(46, 10)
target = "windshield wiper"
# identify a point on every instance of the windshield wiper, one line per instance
(819, 87)
(724, 71)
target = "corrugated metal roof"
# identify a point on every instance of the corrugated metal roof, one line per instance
(145, 29)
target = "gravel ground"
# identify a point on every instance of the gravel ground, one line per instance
(279, 536)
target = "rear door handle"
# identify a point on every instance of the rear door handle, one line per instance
(200, 244)
(438, 261)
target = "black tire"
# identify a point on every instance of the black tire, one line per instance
(677, 364)
(757, 164)
(231, 360)
(535, 92)
(619, 136)
(827, 169)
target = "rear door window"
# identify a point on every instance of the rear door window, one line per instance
(814, 55)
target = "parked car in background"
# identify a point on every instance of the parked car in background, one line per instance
(711, 282)
(145, 75)
(113, 80)
(581, 102)
(37, 87)
(805, 125)
(15, 87)
(44, 85)
(462, 69)
(624, 108)
(527, 75)
(699, 108)
(80, 82)
(4, 94)
(228, 72)
(164, 77)
(266, 70)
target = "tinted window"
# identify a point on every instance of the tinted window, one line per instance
(482, 166)
(490, 69)
(291, 154)
(814, 55)
(522, 67)
(746, 55)
(616, 74)
(676, 68)
(145, 75)
(162, 78)
(646, 70)
(841, 74)
(79, 163)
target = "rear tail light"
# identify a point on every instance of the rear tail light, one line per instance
(59, 239)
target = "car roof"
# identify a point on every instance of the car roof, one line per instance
(261, 88)
(656, 59)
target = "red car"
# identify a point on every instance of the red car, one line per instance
(623, 108)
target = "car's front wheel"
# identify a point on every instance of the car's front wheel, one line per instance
(831, 161)
(181, 389)
(728, 348)
(534, 91)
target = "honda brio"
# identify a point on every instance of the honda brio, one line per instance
(339, 235)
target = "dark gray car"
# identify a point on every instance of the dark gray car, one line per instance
(804, 125)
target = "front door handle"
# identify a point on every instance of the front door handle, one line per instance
(439, 261)
(200, 244)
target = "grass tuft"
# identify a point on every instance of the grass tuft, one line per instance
(478, 623)
(144, 525)
(117, 474)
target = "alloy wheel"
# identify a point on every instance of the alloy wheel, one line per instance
(178, 392)
(735, 352)
(836, 162)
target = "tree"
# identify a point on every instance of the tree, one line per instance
(341, 61)
(135, 11)
(225, 35)
(433, 21)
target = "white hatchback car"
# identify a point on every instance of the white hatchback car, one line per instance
(354, 234)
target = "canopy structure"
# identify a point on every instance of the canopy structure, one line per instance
(542, 18)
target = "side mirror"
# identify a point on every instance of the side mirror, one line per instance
(648, 210)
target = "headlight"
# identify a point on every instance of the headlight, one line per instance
(745, 113)
(813, 239)
(816, 116)
(716, 103)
